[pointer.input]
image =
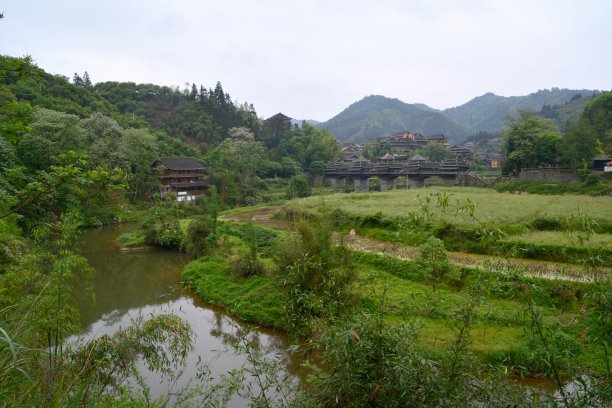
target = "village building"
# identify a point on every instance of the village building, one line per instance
(181, 176)
(464, 153)
(493, 161)
(602, 163)
(406, 143)
(276, 124)
(351, 149)
(438, 138)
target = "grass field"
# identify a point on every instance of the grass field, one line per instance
(503, 208)
(566, 239)
(502, 330)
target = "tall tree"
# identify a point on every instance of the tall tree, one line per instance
(579, 145)
(527, 139)
(86, 80)
(77, 80)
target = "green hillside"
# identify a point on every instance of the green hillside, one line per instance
(377, 116)
(487, 112)
(197, 115)
(568, 112)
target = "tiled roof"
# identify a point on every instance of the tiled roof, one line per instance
(181, 163)
(417, 157)
(279, 115)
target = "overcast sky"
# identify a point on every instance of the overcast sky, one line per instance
(312, 58)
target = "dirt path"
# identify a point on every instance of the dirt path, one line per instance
(551, 270)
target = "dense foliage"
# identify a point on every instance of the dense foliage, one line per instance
(532, 141)
(127, 126)
(194, 113)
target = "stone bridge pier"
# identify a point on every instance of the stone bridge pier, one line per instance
(387, 183)
(335, 182)
(414, 183)
(361, 184)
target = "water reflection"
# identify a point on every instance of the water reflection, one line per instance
(132, 286)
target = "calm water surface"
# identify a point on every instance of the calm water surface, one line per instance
(129, 286)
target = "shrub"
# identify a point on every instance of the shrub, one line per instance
(371, 364)
(298, 187)
(315, 274)
(200, 237)
(592, 179)
(433, 259)
(547, 223)
(246, 266)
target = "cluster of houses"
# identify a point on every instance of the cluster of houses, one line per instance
(459, 159)
(404, 146)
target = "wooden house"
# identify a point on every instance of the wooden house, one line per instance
(438, 138)
(601, 162)
(181, 176)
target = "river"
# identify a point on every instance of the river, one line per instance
(129, 286)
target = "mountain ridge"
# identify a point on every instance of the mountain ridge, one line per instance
(378, 116)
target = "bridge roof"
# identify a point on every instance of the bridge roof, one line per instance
(417, 157)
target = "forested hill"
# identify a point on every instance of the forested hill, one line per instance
(377, 116)
(487, 112)
(197, 115)
(46, 119)
(568, 112)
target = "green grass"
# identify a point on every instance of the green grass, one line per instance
(132, 239)
(503, 208)
(255, 300)
(410, 216)
(547, 188)
(499, 332)
(564, 238)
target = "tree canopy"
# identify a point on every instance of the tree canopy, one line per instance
(530, 141)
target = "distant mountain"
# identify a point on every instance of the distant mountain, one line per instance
(377, 116)
(570, 111)
(487, 112)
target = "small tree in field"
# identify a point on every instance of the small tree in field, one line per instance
(434, 260)
(298, 187)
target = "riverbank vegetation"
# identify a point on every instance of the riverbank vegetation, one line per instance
(489, 319)
(500, 313)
